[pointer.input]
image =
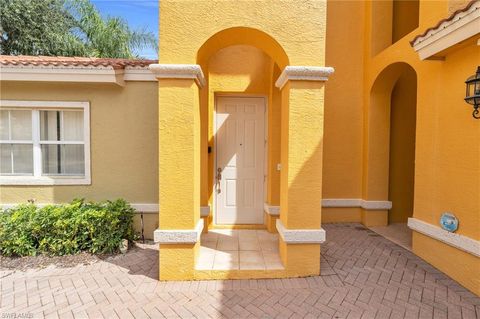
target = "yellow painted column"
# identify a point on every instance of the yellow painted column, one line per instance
(274, 144)
(302, 118)
(180, 224)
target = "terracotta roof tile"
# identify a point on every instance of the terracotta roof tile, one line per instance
(439, 23)
(26, 60)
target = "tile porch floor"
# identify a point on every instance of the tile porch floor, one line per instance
(243, 249)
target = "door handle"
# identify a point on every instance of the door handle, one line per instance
(219, 178)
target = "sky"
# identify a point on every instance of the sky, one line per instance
(138, 13)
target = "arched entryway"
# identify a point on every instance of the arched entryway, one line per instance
(202, 55)
(390, 157)
(240, 136)
(240, 64)
(402, 147)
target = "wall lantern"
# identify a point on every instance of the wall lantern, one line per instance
(472, 95)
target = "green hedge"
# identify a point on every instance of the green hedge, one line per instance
(28, 230)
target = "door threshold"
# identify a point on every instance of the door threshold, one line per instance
(237, 226)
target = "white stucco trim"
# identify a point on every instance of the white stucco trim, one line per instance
(463, 26)
(179, 71)
(79, 74)
(145, 208)
(461, 242)
(139, 74)
(204, 211)
(300, 236)
(62, 74)
(8, 206)
(271, 210)
(303, 73)
(340, 203)
(354, 202)
(376, 204)
(180, 236)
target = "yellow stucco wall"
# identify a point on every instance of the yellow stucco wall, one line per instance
(124, 141)
(447, 165)
(274, 140)
(461, 266)
(404, 18)
(448, 172)
(239, 68)
(302, 140)
(179, 144)
(184, 28)
(342, 158)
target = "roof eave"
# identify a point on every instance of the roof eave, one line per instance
(75, 74)
(458, 28)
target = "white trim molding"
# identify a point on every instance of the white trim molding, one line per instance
(138, 74)
(376, 204)
(304, 73)
(78, 74)
(271, 210)
(179, 71)
(204, 211)
(340, 203)
(300, 236)
(61, 74)
(452, 31)
(145, 208)
(180, 236)
(461, 242)
(354, 202)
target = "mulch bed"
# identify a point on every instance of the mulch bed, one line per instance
(67, 261)
(42, 261)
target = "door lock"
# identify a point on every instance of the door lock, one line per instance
(219, 178)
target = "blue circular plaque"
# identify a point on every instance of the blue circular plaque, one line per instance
(449, 222)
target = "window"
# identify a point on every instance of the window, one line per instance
(44, 143)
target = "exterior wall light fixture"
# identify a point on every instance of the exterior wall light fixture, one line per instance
(472, 95)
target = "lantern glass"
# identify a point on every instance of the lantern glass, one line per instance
(472, 95)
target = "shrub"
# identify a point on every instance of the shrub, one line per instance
(27, 230)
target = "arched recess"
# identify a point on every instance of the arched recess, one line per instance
(222, 44)
(389, 151)
(246, 36)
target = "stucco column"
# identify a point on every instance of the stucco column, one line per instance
(180, 224)
(299, 226)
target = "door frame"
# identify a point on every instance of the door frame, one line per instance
(265, 156)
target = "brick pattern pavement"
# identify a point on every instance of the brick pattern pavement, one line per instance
(363, 276)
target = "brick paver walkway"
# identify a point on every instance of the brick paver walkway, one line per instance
(363, 276)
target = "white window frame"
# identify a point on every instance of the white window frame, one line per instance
(38, 178)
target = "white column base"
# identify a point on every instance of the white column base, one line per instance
(180, 236)
(301, 236)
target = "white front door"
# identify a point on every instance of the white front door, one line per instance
(239, 172)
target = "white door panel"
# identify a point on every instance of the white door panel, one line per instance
(240, 157)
